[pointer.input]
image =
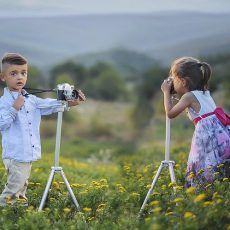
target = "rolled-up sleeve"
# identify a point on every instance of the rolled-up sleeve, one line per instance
(48, 106)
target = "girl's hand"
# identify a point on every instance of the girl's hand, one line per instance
(166, 86)
(79, 100)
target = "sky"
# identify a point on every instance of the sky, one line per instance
(54, 7)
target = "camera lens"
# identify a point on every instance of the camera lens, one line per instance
(75, 94)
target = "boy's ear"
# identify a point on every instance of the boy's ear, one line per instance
(2, 77)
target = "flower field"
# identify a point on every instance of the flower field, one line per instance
(111, 194)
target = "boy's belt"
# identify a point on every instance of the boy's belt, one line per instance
(220, 114)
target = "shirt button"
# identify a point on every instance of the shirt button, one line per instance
(33, 146)
(31, 135)
(29, 123)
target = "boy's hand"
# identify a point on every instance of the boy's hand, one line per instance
(19, 102)
(81, 98)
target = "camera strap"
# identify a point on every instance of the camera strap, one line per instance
(36, 91)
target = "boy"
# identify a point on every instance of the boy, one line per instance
(20, 116)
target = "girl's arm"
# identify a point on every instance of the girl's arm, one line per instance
(185, 101)
(174, 111)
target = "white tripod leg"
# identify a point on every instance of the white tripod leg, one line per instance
(152, 187)
(44, 196)
(172, 174)
(70, 190)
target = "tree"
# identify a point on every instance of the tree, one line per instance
(35, 78)
(110, 86)
(75, 71)
(145, 91)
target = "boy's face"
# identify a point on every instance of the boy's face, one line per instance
(15, 76)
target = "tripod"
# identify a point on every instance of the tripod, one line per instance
(56, 168)
(166, 163)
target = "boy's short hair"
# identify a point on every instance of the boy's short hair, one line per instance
(13, 59)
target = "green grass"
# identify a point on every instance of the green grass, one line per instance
(110, 193)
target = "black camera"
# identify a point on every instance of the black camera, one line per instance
(172, 90)
(66, 92)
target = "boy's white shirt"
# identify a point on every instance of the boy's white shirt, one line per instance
(21, 129)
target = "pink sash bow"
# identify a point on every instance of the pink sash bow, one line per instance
(220, 114)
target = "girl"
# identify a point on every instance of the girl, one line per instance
(211, 139)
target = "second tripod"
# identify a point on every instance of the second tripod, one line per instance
(166, 163)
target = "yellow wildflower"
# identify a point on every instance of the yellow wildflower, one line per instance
(215, 196)
(172, 184)
(179, 187)
(209, 167)
(178, 199)
(190, 190)
(148, 186)
(218, 201)
(207, 203)
(154, 202)
(135, 195)
(220, 165)
(9, 202)
(147, 168)
(95, 183)
(104, 186)
(87, 209)
(90, 218)
(36, 170)
(126, 168)
(66, 210)
(216, 173)
(191, 175)
(200, 172)
(56, 185)
(156, 210)
(21, 200)
(155, 193)
(103, 181)
(225, 179)
(200, 197)
(169, 213)
(122, 189)
(208, 185)
(101, 206)
(188, 215)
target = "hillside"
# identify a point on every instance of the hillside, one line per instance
(49, 40)
(126, 62)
